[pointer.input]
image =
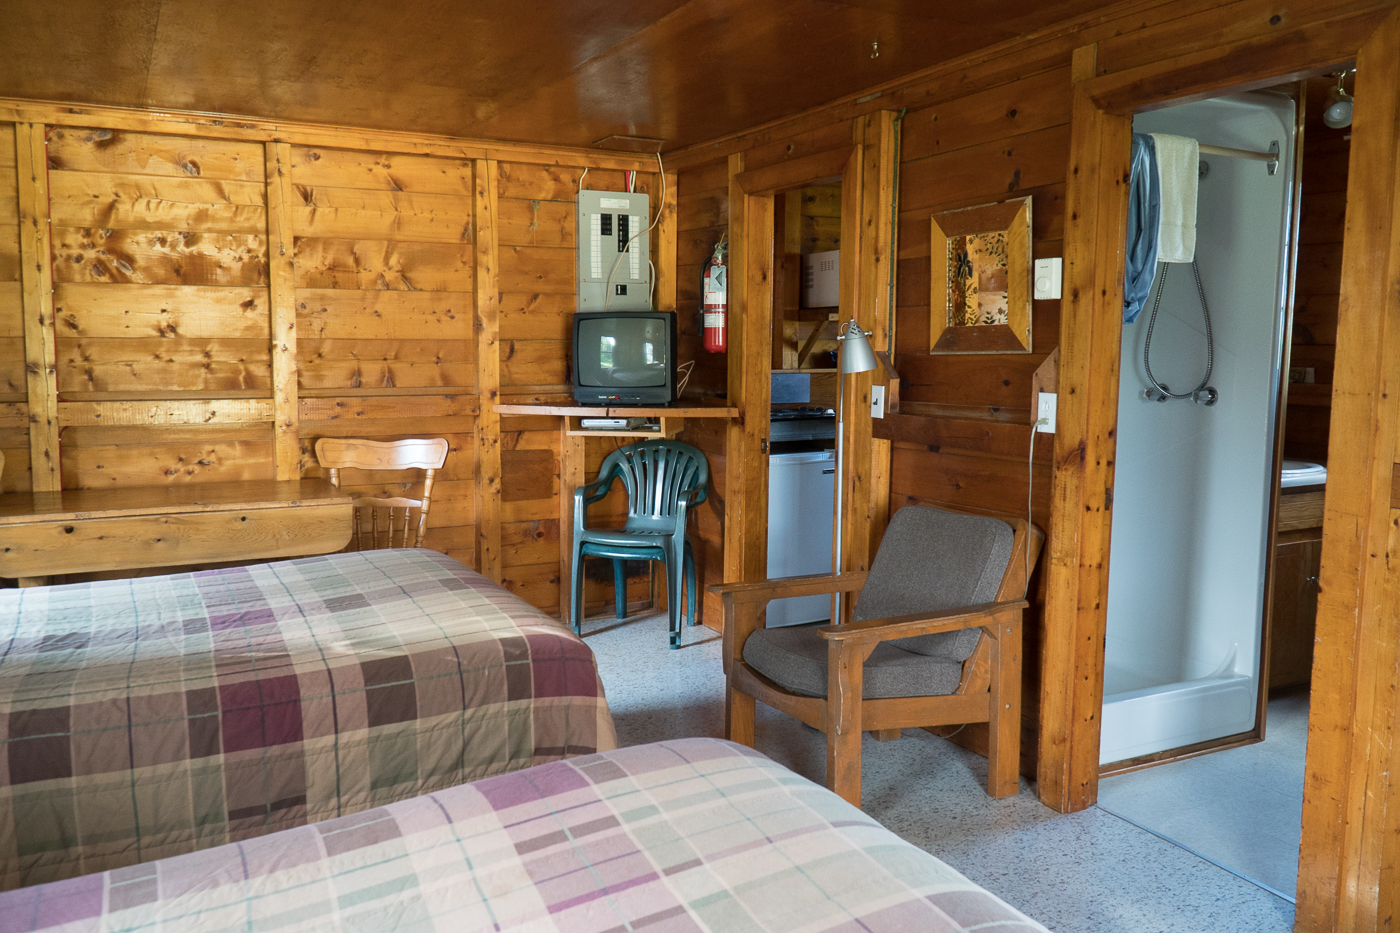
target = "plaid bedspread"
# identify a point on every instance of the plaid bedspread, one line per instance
(151, 717)
(689, 835)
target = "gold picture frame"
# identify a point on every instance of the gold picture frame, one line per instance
(980, 279)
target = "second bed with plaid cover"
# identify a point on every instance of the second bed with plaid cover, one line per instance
(156, 716)
(681, 836)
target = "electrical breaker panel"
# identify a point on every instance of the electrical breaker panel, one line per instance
(613, 249)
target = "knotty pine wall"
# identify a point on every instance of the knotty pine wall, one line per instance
(977, 133)
(169, 274)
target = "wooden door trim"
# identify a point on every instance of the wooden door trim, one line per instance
(1347, 877)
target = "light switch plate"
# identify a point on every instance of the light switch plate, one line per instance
(1048, 275)
(877, 401)
(1045, 413)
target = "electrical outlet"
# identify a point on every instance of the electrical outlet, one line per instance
(1045, 413)
(877, 401)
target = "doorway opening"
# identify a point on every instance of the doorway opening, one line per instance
(1218, 507)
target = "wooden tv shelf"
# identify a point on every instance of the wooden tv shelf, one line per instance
(671, 418)
(572, 455)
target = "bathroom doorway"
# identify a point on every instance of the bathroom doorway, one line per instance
(1218, 508)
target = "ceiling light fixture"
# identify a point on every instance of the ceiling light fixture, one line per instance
(1336, 113)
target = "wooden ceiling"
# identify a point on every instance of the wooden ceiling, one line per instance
(552, 71)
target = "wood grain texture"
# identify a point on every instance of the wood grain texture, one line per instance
(336, 262)
(488, 371)
(1090, 325)
(148, 202)
(282, 323)
(36, 250)
(1346, 869)
(169, 311)
(154, 257)
(189, 155)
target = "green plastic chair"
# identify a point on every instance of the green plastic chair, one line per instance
(664, 479)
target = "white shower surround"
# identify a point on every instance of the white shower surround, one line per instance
(1192, 484)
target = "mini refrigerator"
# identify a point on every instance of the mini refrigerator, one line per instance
(801, 509)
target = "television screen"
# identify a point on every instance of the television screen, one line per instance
(623, 353)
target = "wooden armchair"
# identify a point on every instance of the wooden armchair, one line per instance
(428, 454)
(935, 640)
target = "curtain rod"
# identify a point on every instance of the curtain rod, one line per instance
(1239, 153)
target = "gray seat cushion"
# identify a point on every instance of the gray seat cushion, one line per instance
(795, 658)
(931, 560)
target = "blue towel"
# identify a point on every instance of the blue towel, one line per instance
(1144, 222)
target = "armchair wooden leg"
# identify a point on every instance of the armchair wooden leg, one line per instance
(738, 717)
(844, 686)
(1004, 725)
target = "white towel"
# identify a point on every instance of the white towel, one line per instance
(1179, 167)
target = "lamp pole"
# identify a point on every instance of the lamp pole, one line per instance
(854, 355)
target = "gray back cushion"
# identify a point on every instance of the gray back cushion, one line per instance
(932, 560)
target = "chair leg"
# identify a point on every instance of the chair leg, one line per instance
(738, 717)
(620, 588)
(675, 575)
(844, 688)
(1004, 719)
(690, 598)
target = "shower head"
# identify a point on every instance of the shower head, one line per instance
(1337, 112)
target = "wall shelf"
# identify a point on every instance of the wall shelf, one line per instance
(671, 419)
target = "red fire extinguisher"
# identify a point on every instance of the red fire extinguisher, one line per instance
(715, 294)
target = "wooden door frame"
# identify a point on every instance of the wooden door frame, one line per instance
(866, 168)
(1350, 853)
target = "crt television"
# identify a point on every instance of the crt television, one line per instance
(624, 358)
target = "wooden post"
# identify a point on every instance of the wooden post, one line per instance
(859, 275)
(36, 277)
(877, 268)
(281, 280)
(1090, 333)
(1347, 872)
(750, 307)
(488, 374)
(571, 476)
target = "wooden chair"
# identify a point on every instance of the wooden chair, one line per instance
(935, 639)
(427, 454)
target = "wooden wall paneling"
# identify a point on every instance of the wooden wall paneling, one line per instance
(1090, 329)
(663, 248)
(1347, 867)
(488, 370)
(32, 171)
(13, 384)
(282, 303)
(153, 455)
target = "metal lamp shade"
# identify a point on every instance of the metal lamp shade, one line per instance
(856, 353)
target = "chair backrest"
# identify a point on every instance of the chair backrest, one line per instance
(655, 474)
(933, 559)
(426, 453)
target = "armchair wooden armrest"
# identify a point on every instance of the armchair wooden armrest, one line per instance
(815, 584)
(742, 602)
(873, 631)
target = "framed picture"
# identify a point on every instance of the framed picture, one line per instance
(980, 283)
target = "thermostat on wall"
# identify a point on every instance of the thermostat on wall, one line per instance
(1048, 273)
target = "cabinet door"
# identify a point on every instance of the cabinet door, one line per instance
(1293, 615)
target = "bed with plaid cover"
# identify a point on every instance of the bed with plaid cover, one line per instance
(687, 835)
(151, 717)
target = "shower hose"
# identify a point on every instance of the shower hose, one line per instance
(1203, 393)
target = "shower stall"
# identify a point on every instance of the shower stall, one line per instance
(1193, 483)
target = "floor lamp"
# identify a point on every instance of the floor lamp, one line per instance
(854, 356)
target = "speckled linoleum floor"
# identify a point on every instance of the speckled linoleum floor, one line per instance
(1088, 872)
